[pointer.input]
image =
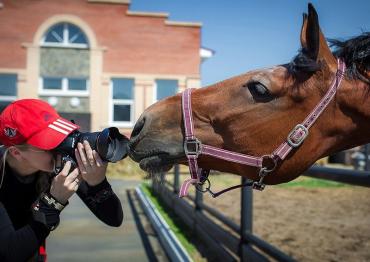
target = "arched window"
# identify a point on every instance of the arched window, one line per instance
(64, 61)
(65, 35)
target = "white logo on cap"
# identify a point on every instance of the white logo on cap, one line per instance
(10, 132)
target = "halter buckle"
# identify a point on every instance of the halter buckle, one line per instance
(297, 135)
(192, 147)
(258, 186)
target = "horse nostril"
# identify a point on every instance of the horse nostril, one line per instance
(138, 127)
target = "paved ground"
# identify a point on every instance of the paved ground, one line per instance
(82, 237)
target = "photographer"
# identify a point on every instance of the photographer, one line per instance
(32, 193)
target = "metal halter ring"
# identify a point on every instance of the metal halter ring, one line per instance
(199, 186)
(268, 164)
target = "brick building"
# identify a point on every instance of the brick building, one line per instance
(95, 61)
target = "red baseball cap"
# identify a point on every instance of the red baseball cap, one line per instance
(34, 122)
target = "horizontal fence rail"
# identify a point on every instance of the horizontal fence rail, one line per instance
(348, 176)
(168, 240)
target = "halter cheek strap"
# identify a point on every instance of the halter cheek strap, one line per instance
(266, 164)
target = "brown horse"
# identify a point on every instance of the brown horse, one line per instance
(254, 112)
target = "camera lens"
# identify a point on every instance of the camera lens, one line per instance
(110, 144)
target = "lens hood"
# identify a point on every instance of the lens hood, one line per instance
(111, 145)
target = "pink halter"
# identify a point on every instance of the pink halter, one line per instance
(193, 147)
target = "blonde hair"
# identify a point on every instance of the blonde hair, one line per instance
(43, 178)
(2, 164)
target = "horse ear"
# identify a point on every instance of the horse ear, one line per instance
(303, 32)
(312, 39)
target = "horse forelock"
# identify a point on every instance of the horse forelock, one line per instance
(302, 62)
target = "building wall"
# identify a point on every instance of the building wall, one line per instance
(122, 44)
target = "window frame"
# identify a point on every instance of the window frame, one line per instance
(113, 102)
(64, 91)
(65, 43)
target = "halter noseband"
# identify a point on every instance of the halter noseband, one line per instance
(193, 147)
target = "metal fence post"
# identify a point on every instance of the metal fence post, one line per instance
(162, 183)
(198, 200)
(154, 184)
(246, 218)
(367, 160)
(176, 180)
(197, 210)
(246, 209)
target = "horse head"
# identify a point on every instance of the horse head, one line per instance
(253, 113)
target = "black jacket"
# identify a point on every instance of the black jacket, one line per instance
(21, 235)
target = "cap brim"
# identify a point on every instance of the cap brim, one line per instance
(52, 135)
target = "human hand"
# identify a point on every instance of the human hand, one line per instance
(90, 164)
(65, 184)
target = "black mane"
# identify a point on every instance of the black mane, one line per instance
(355, 52)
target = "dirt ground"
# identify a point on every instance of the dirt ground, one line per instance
(309, 224)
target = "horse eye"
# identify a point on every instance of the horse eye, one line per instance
(259, 92)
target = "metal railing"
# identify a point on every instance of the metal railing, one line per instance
(348, 176)
(226, 240)
(167, 238)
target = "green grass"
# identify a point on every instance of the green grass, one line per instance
(309, 182)
(181, 231)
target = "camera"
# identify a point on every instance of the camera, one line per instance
(110, 144)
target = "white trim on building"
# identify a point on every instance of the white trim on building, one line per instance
(206, 53)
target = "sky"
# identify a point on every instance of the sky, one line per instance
(247, 35)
